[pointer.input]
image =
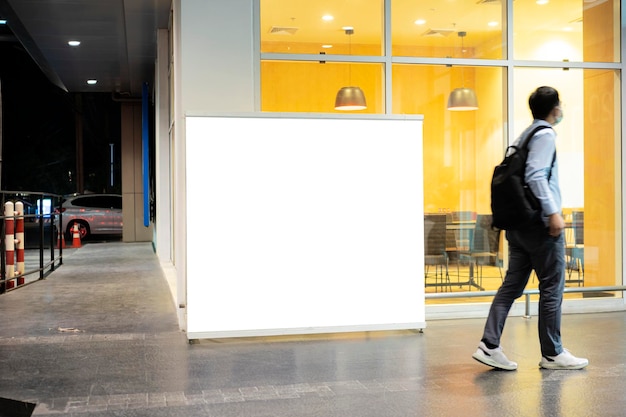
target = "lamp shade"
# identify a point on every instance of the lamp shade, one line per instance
(462, 99)
(350, 98)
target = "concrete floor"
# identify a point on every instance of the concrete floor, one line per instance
(99, 338)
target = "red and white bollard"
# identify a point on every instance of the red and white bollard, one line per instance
(19, 240)
(9, 242)
(60, 239)
(75, 236)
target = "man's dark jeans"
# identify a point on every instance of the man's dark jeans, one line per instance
(530, 249)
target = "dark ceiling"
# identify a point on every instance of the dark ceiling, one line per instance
(118, 40)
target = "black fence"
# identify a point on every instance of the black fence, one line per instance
(31, 246)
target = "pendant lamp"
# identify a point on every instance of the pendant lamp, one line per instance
(350, 98)
(464, 98)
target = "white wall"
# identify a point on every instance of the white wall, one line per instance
(217, 56)
(163, 223)
(163, 236)
(213, 71)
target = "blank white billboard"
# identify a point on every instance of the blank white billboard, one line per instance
(303, 225)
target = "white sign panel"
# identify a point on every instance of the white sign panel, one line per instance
(303, 225)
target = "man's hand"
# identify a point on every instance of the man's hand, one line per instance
(556, 224)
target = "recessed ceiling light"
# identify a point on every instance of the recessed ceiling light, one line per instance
(92, 82)
(73, 43)
(493, 24)
(420, 21)
(327, 46)
(328, 17)
(542, 2)
(347, 28)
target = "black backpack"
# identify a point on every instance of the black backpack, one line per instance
(513, 203)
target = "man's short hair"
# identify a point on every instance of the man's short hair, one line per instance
(542, 101)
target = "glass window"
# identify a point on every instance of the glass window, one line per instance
(313, 27)
(432, 28)
(460, 150)
(98, 201)
(460, 147)
(567, 30)
(292, 86)
(588, 149)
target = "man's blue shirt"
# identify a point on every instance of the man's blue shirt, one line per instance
(542, 175)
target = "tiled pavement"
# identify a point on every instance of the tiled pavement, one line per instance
(99, 338)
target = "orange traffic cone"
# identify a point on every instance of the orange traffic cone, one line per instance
(75, 236)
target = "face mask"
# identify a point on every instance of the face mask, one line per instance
(558, 119)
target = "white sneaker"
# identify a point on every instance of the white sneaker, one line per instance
(493, 357)
(563, 360)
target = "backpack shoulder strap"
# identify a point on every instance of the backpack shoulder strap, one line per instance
(524, 144)
(530, 136)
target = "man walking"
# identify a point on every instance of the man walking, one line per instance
(540, 246)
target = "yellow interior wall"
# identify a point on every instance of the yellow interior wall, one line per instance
(490, 47)
(290, 86)
(601, 233)
(416, 90)
(490, 127)
(312, 87)
(602, 173)
(315, 48)
(600, 31)
(460, 148)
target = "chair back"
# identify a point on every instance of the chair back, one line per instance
(459, 235)
(462, 216)
(578, 224)
(486, 238)
(434, 234)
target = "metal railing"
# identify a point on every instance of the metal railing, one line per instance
(42, 244)
(526, 293)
